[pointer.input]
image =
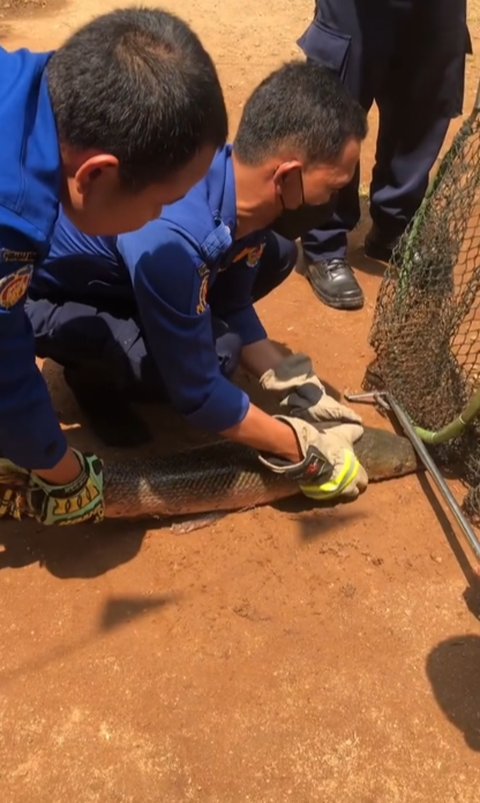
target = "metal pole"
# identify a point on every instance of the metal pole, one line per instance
(429, 464)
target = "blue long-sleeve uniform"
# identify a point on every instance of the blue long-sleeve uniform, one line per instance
(169, 276)
(30, 170)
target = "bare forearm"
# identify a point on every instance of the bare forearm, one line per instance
(265, 433)
(67, 470)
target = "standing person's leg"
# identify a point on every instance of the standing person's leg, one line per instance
(405, 155)
(423, 92)
(353, 40)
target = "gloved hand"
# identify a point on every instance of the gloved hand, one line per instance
(302, 393)
(329, 467)
(80, 500)
(13, 481)
(12, 504)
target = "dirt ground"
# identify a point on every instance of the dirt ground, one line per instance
(281, 654)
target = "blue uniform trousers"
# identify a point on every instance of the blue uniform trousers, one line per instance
(409, 57)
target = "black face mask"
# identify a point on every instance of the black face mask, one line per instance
(293, 223)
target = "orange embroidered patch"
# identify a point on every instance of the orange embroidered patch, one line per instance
(14, 286)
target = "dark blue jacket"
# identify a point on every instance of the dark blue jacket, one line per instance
(168, 270)
(30, 174)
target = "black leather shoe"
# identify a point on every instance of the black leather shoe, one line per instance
(334, 283)
(379, 245)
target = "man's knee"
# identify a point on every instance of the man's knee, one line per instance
(56, 330)
(278, 260)
(76, 333)
(228, 346)
(288, 255)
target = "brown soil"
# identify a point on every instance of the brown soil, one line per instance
(24, 8)
(279, 654)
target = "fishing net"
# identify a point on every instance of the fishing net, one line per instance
(426, 328)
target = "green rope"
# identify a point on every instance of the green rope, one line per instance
(454, 428)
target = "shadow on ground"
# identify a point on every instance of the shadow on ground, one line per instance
(453, 668)
(67, 552)
(471, 594)
(313, 519)
(118, 611)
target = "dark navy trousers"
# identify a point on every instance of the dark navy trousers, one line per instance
(408, 56)
(107, 340)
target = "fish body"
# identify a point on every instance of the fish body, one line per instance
(220, 477)
(228, 476)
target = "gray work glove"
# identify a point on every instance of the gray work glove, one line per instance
(329, 467)
(302, 394)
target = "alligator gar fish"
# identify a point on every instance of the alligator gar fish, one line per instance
(226, 476)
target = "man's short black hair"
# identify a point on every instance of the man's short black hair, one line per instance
(138, 83)
(304, 106)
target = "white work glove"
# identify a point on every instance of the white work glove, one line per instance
(329, 467)
(302, 394)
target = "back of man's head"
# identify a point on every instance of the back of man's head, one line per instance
(301, 108)
(137, 83)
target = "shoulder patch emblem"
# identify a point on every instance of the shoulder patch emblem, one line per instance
(17, 256)
(14, 286)
(252, 256)
(202, 294)
(202, 303)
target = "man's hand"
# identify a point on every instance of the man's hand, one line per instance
(329, 467)
(12, 504)
(13, 481)
(302, 393)
(72, 503)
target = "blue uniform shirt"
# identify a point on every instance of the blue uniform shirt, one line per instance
(30, 174)
(173, 265)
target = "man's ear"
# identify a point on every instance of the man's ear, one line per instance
(93, 168)
(284, 168)
(288, 183)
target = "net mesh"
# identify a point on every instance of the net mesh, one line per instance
(426, 328)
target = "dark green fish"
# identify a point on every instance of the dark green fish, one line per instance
(224, 476)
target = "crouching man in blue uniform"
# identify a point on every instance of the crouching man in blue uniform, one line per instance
(124, 118)
(170, 309)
